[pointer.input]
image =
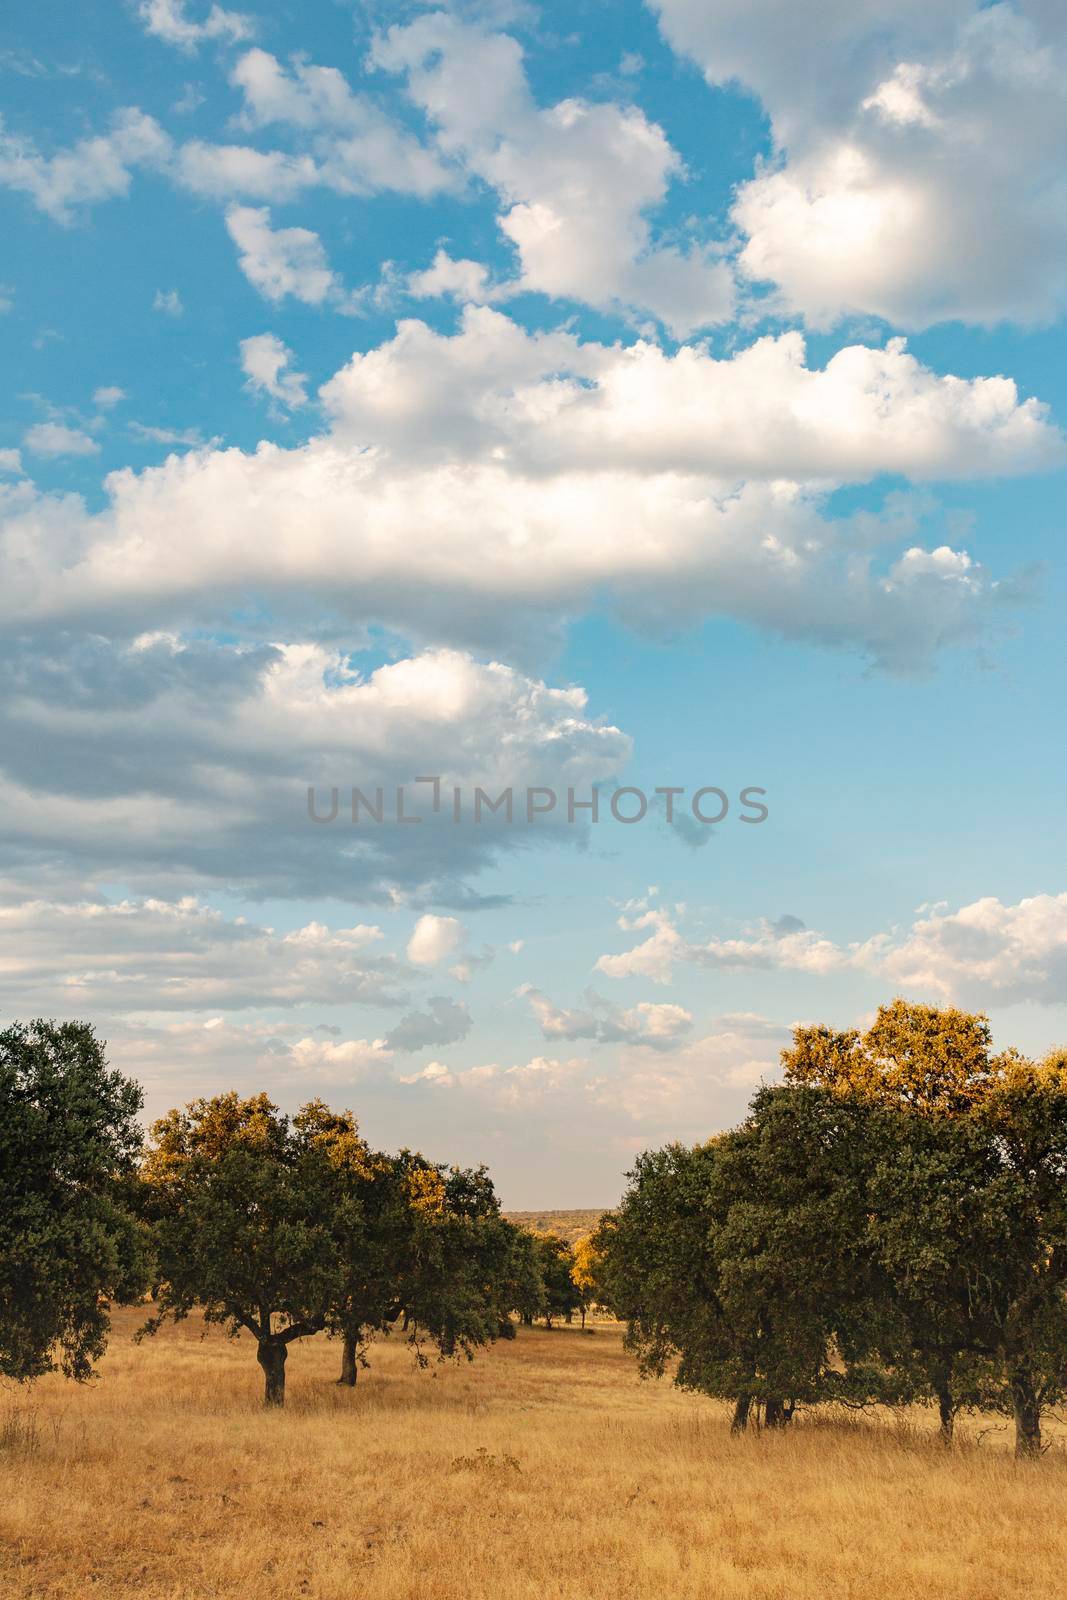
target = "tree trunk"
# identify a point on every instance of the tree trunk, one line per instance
(272, 1357)
(1027, 1410)
(946, 1409)
(742, 1407)
(775, 1414)
(349, 1364)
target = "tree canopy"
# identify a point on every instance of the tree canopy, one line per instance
(890, 1222)
(69, 1241)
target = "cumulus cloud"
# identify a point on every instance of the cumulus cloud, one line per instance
(167, 20)
(175, 763)
(282, 262)
(92, 170)
(441, 1022)
(983, 952)
(155, 955)
(351, 145)
(986, 951)
(338, 1059)
(655, 955)
(549, 403)
(434, 939)
(463, 280)
(265, 361)
(645, 1098)
(179, 1059)
(229, 171)
(574, 180)
(919, 173)
(536, 475)
(660, 1027)
(56, 439)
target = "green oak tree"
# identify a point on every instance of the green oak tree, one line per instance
(241, 1200)
(562, 1297)
(69, 1240)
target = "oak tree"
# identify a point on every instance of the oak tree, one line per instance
(69, 1240)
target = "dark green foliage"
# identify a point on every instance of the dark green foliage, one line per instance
(562, 1297)
(287, 1227)
(68, 1239)
(891, 1224)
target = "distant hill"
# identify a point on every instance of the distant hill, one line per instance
(570, 1225)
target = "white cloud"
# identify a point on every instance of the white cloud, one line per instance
(574, 180)
(919, 175)
(986, 951)
(265, 360)
(56, 439)
(547, 402)
(652, 957)
(167, 20)
(353, 146)
(159, 956)
(169, 301)
(226, 171)
(108, 397)
(433, 1072)
(478, 488)
(660, 1027)
(467, 281)
(434, 939)
(642, 1097)
(10, 461)
(177, 1060)
(339, 1059)
(95, 169)
(285, 261)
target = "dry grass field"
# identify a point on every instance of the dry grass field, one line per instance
(545, 1469)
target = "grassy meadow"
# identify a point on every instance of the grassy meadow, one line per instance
(545, 1468)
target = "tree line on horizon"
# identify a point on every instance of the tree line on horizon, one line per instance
(887, 1225)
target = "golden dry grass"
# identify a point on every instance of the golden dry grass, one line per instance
(168, 1479)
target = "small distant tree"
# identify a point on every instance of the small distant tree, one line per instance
(561, 1296)
(242, 1202)
(69, 1241)
(586, 1268)
(457, 1280)
(525, 1294)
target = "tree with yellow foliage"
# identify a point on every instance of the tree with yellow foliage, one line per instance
(967, 1195)
(586, 1272)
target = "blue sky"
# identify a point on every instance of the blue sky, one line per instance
(577, 395)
